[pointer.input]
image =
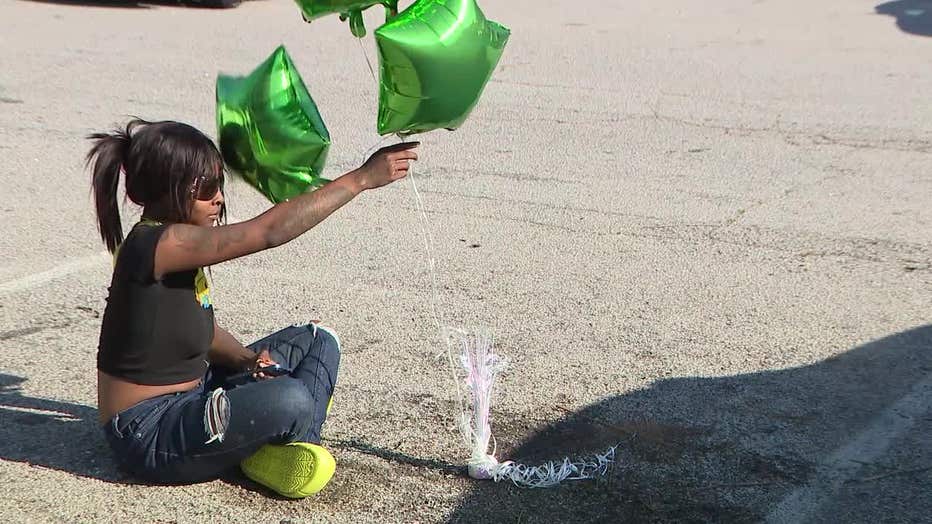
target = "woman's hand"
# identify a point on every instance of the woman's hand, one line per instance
(263, 359)
(387, 165)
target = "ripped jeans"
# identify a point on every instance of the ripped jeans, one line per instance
(198, 434)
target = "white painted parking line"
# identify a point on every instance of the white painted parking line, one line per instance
(62, 270)
(804, 502)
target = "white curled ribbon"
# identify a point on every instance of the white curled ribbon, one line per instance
(482, 367)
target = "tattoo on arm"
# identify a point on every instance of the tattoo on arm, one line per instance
(202, 240)
(191, 238)
(229, 237)
(306, 211)
(286, 221)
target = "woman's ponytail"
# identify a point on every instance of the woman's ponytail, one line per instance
(108, 155)
(161, 162)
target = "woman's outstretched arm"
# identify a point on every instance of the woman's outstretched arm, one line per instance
(185, 246)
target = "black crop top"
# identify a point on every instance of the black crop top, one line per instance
(154, 332)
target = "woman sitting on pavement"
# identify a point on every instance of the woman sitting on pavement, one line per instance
(180, 399)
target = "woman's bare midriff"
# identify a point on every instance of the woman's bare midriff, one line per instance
(115, 394)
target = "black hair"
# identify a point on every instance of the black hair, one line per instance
(162, 162)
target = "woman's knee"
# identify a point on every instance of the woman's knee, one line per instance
(283, 406)
(291, 398)
(327, 335)
(329, 344)
(272, 410)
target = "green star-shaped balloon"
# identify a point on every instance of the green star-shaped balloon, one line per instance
(352, 9)
(436, 57)
(270, 130)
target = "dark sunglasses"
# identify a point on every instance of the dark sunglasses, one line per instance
(205, 187)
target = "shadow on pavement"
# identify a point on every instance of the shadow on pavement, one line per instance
(689, 449)
(912, 16)
(722, 449)
(390, 455)
(53, 434)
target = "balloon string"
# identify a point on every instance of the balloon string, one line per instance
(372, 73)
(368, 62)
(436, 309)
(429, 248)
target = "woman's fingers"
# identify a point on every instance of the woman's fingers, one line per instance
(388, 165)
(263, 358)
(403, 155)
(401, 146)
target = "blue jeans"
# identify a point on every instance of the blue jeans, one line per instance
(197, 435)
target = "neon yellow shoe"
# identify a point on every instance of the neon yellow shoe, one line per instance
(294, 470)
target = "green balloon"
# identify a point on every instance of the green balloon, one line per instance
(357, 25)
(270, 131)
(352, 9)
(436, 57)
